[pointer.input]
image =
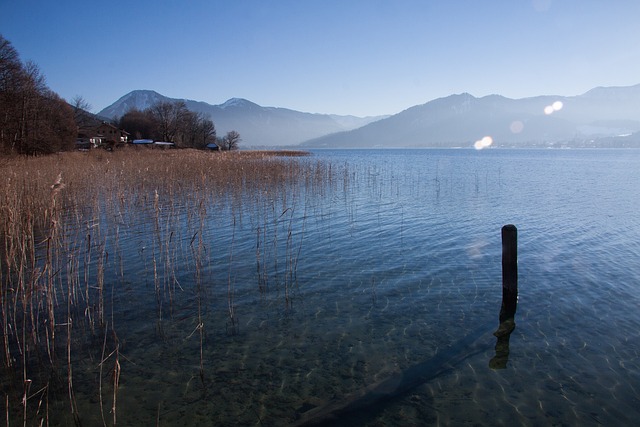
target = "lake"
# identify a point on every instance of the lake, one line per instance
(372, 299)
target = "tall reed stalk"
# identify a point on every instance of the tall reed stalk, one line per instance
(233, 326)
(63, 219)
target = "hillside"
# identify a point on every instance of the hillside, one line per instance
(257, 125)
(460, 120)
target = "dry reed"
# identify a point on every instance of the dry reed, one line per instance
(54, 248)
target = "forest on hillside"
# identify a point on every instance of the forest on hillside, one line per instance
(34, 118)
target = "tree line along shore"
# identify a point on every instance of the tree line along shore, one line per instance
(36, 120)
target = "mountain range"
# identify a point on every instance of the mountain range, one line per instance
(257, 125)
(600, 117)
(604, 116)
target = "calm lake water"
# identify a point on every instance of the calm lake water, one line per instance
(372, 300)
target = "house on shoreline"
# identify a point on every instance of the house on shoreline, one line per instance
(101, 134)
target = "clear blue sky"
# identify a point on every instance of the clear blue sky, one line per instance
(345, 56)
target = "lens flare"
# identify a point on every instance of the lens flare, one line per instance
(556, 106)
(483, 143)
(516, 126)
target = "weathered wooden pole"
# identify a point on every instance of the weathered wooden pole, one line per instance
(509, 272)
(509, 279)
(509, 296)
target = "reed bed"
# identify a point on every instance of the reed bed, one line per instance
(63, 219)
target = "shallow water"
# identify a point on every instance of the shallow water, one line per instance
(385, 269)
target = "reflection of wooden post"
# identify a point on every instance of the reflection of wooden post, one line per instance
(500, 360)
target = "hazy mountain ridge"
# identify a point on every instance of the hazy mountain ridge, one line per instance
(597, 118)
(603, 116)
(257, 125)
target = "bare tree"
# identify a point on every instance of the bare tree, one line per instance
(168, 116)
(33, 119)
(81, 110)
(170, 121)
(55, 128)
(80, 104)
(206, 131)
(231, 141)
(31, 126)
(10, 67)
(189, 132)
(11, 74)
(138, 123)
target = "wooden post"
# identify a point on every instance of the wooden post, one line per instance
(509, 296)
(509, 279)
(509, 272)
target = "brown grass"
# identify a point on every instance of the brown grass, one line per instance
(53, 256)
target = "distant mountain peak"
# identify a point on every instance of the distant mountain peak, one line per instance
(237, 103)
(258, 126)
(143, 91)
(142, 94)
(137, 99)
